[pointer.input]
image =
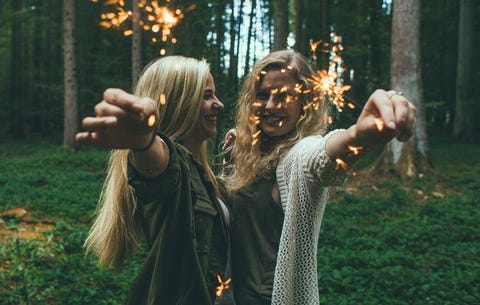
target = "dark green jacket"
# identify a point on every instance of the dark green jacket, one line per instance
(184, 231)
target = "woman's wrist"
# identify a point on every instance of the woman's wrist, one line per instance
(146, 147)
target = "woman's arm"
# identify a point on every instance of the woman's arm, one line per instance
(125, 121)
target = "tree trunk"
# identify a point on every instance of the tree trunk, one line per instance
(17, 72)
(249, 38)
(280, 25)
(136, 43)
(464, 99)
(299, 26)
(70, 125)
(407, 158)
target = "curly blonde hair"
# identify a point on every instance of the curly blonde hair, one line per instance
(252, 162)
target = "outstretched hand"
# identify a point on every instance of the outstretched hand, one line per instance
(386, 115)
(122, 121)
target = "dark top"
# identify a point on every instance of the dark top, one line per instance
(184, 232)
(255, 236)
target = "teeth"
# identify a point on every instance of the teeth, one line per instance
(272, 119)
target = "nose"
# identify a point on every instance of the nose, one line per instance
(271, 103)
(217, 105)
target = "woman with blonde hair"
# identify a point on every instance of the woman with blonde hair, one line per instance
(159, 187)
(281, 168)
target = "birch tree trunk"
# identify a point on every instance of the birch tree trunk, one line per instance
(464, 100)
(70, 125)
(410, 157)
(136, 43)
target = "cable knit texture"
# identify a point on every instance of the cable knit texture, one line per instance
(304, 177)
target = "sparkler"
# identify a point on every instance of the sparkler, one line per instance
(158, 20)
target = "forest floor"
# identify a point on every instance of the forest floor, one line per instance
(383, 240)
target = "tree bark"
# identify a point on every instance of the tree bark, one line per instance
(464, 99)
(136, 43)
(280, 25)
(17, 72)
(70, 126)
(409, 157)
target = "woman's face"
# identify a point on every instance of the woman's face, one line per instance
(279, 103)
(206, 125)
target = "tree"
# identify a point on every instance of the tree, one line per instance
(18, 71)
(280, 24)
(136, 43)
(465, 98)
(70, 126)
(407, 158)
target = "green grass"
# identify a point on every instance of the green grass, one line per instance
(382, 241)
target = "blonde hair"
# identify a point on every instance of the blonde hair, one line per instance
(116, 232)
(251, 162)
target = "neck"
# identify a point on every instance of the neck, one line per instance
(194, 146)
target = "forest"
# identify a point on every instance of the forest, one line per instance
(417, 245)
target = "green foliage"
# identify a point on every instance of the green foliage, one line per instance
(384, 244)
(394, 246)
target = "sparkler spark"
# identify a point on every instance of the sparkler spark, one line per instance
(159, 20)
(163, 99)
(355, 149)
(222, 286)
(152, 119)
(341, 164)
(380, 124)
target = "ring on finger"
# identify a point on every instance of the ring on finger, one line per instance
(394, 93)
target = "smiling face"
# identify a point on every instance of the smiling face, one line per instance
(206, 125)
(279, 103)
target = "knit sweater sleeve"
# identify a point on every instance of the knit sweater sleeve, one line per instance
(304, 176)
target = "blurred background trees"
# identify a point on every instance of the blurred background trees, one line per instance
(231, 35)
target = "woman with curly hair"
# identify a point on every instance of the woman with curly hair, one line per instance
(281, 167)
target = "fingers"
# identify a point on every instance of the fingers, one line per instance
(98, 123)
(404, 115)
(229, 138)
(143, 107)
(383, 105)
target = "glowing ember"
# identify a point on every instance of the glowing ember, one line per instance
(380, 124)
(355, 149)
(163, 99)
(158, 20)
(152, 119)
(222, 286)
(341, 164)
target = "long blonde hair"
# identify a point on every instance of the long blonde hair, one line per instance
(116, 232)
(251, 162)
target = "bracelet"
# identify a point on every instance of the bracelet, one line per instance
(148, 145)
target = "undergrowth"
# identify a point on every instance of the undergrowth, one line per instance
(382, 241)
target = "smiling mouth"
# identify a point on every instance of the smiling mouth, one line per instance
(211, 118)
(272, 119)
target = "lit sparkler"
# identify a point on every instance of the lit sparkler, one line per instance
(158, 20)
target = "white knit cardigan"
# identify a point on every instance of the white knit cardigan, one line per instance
(304, 177)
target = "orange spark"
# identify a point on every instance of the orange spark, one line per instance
(355, 149)
(379, 124)
(222, 286)
(163, 99)
(341, 163)
(152, 119)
